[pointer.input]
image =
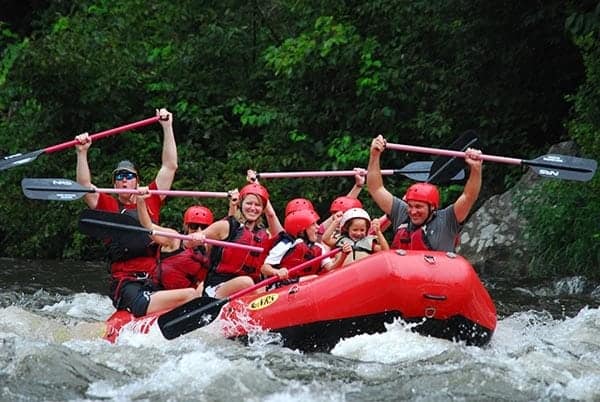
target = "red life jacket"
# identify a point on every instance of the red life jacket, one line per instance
(409, 237)
(134, 269)
(300, 253)
(132, 257)
(410, 240)
(238, 262)
(182, 268)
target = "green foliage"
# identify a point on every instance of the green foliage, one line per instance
(564, 232)
(276, 86)
(564, 217)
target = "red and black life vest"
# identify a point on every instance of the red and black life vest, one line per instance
(236, 262)
(411, 240)
(300, 253)
(132, 256)
(182, 268)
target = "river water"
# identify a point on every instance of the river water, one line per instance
(546, 347)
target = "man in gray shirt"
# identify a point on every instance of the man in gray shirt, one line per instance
(418, 222)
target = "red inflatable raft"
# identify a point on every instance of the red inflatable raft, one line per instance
(440, 291)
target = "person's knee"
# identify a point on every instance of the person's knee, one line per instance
(245, 282)
(139, 306)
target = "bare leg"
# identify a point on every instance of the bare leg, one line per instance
(168, 299)
(233, 285)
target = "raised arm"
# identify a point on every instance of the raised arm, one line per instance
(273, 222)
(234, 201)
(464, 203)
(146, 221)
(166, 174)
(275, 226)
(328, 238)
(382, 197)
(359, 182)
(84, 177)
(382, 243)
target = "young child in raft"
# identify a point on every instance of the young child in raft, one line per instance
(299, 244)
(354, 230)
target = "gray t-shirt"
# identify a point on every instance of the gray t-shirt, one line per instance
(441, 231)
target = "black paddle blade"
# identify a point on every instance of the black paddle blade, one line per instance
(53, 189)
(563, 167)
(190, 316)
(108, 225)
(419, 171)
(10, 161)
(445, 168)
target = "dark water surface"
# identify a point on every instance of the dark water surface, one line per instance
(546, 347)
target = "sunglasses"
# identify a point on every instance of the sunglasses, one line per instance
(195, 226)
(125, 175)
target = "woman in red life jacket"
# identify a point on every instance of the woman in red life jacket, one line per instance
(299, 244)
(355, 226)
(233, 269)
(418, 221)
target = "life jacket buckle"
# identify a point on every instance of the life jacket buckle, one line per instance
(141, 275)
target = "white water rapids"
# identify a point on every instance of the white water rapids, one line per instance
(50, 350)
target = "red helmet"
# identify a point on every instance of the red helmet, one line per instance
(298, 221)
(424, 192)
(298, 204)
(198, 214)
(344, 203)
(256, 189)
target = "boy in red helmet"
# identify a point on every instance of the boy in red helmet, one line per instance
(180, 263)
(299, 244)
(419, 222)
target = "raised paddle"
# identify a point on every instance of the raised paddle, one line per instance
(552, 165)
(418, 171)
(10, 161)
(67, 190)
(445, 167)
(202, 311)
(102, 225)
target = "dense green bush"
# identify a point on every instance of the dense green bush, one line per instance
(565, 219)
(274, 86)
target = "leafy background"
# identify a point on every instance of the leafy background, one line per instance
(298, 85)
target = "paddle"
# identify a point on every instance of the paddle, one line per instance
(445, 168)
(102, 225)
(418, 171)
(202, 311)
(68, 190)
(551, 165)
(21, 159)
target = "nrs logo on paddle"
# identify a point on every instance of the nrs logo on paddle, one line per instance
(545, 172)
(59, 182)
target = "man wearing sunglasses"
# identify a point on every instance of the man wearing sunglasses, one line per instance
(126, 175)
(132, 256)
